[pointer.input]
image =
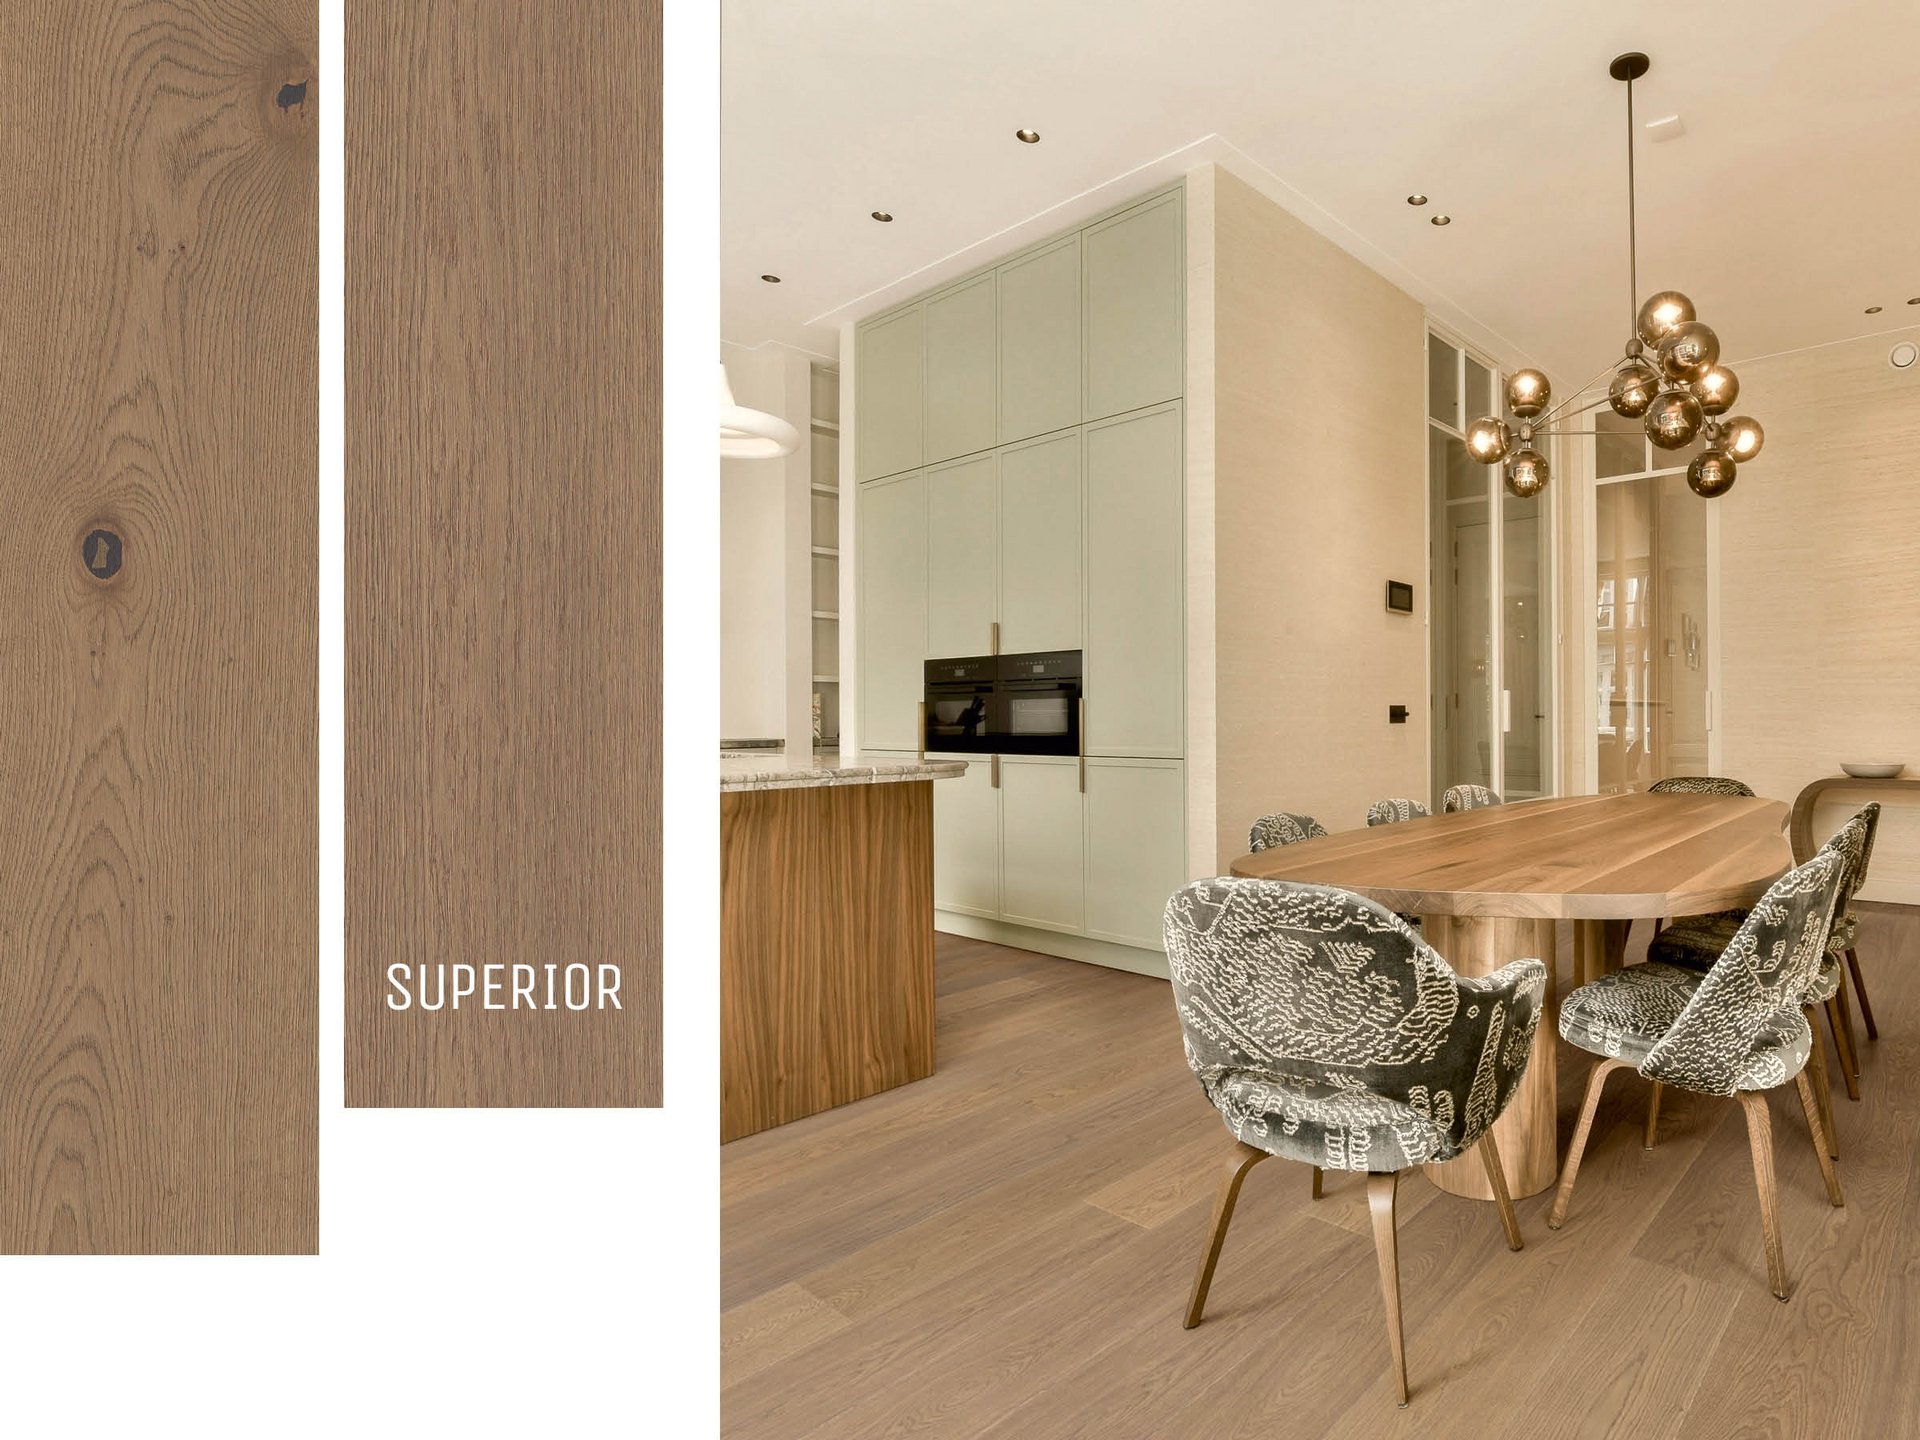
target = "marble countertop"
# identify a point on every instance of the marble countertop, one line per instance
(773, 771)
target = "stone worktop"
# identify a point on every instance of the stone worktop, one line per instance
(767, 770)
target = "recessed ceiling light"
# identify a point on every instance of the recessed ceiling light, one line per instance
(883, 217)
(1441, 220)
(1416, 199)
(1027, 137)
(1873, 310)
(771, 279)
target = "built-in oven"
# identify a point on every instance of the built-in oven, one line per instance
(1005, 704)
(960, 704)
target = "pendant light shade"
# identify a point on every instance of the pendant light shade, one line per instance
(1716, 390)
(1635, 385)
(1664, 310)
(1711, 474)
(1489, 439)
(1673, 420)
(748, 434)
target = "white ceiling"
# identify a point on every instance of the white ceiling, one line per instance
(1790, 204)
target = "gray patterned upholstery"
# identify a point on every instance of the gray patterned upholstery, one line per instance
(1699, 785)
(1283, 828)
(1392, 812)
(1324, 1030)
(1468, 797)
(1739, 1026)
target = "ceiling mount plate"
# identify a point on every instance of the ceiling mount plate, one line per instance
(1630, 66)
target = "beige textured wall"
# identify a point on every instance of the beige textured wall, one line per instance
(1319, 483)
(1820, 587)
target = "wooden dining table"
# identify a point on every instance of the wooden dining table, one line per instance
(1491, 885)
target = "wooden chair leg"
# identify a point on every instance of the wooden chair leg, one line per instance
(1860, 993)
(1595, 1081)
(1653, 1116)
(1386, 1244)
(1497, 1178)
(1817, 1065)
(1849, 1072)
(1843, 1002)
(1808, 1104)
(1318, 1177)
(1243, 1159)
(1760, 1139)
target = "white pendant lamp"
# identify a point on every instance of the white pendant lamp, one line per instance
(748, 434)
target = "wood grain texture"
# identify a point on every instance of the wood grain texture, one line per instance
(826, 948)
(503, 540)
(1620, 856)
(158, 324)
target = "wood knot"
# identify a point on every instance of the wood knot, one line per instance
(103, 553)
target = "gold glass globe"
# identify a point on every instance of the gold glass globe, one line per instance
(1527, 474)
(1528, 393)
(1744, 437)
(1489, 439)
(1716, 390)
(1635, 384)
(1711, 473)
(1688, 351)
(1673, 420)
(1663, 310)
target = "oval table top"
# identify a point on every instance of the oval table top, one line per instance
(1595, 857)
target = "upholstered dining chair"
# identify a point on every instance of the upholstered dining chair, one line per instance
(1736, 1031)
(1283, 827)
(1392, 812)
(1467, 797)
(1699, 785)
(1325, 1031)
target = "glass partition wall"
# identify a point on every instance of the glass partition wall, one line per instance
(1491, 620)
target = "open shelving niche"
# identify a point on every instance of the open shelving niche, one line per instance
(823, 436)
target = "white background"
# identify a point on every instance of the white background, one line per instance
(515, 1273)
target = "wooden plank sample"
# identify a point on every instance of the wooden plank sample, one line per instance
(158, 459)
(503, 548)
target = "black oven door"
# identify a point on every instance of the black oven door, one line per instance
(960, 705)
(1037, 704)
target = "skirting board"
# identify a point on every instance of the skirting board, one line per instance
(1050, 942)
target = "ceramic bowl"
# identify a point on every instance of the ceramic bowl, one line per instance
(1873, 769)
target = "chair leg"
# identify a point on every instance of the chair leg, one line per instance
(1497, 1178)
(1318, 1177)
(1844, 1004)
(1760, 1139)
(1849, 1072)
(1653, 1116)
(1860, 993)
(1817, 1064)
(1386, 1244)
(1808, 1104)
(1243, 1159)
(1595, 1081)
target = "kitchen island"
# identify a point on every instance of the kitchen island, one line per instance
(826, 931)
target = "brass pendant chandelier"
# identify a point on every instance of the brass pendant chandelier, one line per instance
(1680, 394)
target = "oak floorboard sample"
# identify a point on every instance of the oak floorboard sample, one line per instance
(503, 553)
(158, 488)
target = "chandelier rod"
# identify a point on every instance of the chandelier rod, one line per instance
(1573, 395)
(1633, 225)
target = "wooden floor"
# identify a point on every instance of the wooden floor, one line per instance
(1002, 1252)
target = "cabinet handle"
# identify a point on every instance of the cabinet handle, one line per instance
(996, 638)
(923, 732)
(1083, 744)
(996, 772)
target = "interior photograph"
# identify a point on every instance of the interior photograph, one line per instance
(1336, 583)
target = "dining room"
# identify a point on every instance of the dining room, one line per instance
(1346, 676)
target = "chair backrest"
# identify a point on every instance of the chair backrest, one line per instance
(1468, 797)
(1283, 828)
(1766, 968)
(1389, 812)
(1699, 785)
(1853, 843)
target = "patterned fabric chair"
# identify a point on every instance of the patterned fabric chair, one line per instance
(1467, 797)
(1738, 1030)
(1392, 812)
(1325, 1031)
(1699, 785)
(1283, 828)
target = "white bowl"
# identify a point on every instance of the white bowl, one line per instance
(1873, 769)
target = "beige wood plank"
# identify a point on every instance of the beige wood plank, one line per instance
(768, 1329)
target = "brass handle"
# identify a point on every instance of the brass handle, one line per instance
(996, 638)
(923, 732)
(1083, 744)
(996, 772)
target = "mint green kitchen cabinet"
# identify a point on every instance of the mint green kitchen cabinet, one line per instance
(1136, 815)
(891, 372)
(961, 341)
(963, 555)
(1135, 595)
(891, 528)
(1040, 508)
(1134, 300)
(1040, 341)
(1042, 843)
(966, 841)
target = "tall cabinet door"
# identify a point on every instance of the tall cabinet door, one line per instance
(1042, 864)
(961, 394)
(1136, 847)
(1040, 541)
(892, 526)
(1135, 300)
(891, 374)
(966, 841)
(1040, 342)
(962, 556)
(1135, 681)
